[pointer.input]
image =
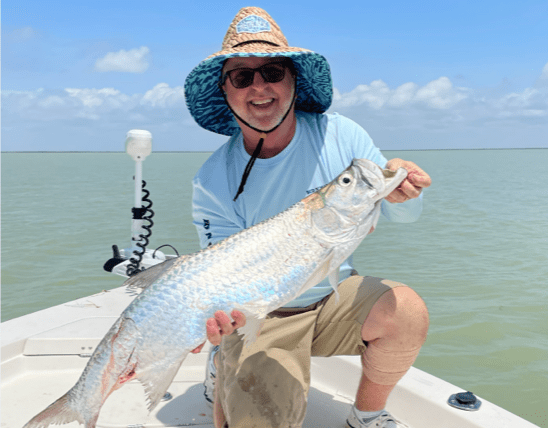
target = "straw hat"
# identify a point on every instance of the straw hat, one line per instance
(253, 33)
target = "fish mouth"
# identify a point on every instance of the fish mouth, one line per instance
(385, 181)
(392, 179)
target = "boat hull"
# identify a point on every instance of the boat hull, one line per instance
(43, 355)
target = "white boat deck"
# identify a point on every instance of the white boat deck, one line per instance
(43, 355)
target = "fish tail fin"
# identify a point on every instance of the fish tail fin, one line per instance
(59, 412)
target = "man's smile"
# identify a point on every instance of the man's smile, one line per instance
(266, 102)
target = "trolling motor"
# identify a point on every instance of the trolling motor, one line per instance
(139, 146)
(130, 261)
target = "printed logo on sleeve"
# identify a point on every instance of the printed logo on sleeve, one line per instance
(208, 235)
(308, 192)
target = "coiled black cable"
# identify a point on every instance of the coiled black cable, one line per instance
(143, 213)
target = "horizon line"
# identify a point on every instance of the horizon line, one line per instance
(200, 151)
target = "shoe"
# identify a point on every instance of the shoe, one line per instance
(384, 420)
(211, 371)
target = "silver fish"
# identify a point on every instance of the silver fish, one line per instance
(255, 271)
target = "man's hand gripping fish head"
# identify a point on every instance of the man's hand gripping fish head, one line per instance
(350, 208)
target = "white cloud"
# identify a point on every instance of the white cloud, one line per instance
(96, 119)
(164, 96)
(439, 114)
(438, 94)
(375, 95)
(531, 102)
(52, 101)
(99, 97)
(99, 103)
(434, 115)
(21, 35)
(132, 61)
(403, 94)
(544, 74)
(542, 81)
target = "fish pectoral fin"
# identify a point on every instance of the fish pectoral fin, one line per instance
(254, 320)
(334, 282)
(157, 381)
(147, 277)
(319, 274)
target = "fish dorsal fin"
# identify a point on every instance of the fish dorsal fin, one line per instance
(149, 276)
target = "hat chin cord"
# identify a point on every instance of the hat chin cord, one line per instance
(263, 135)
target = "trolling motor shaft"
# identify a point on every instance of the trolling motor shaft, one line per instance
(138, 145)
(129, 261)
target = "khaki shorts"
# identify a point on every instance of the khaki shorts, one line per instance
(266, 384)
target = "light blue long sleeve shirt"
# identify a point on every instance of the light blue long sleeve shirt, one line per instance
(322, 147)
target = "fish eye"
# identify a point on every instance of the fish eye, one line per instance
(345, 179)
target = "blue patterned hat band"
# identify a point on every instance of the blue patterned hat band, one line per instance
(253, 32)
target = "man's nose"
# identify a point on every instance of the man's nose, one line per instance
(258, 80)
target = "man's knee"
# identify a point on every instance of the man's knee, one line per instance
(411, 310)
(395, 333)
(400, 312)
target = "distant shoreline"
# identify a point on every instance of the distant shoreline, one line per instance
(184, 151)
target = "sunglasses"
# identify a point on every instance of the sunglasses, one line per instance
(241, 78)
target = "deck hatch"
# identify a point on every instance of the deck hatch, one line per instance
(79, 337)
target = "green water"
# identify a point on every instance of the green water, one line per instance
(478, 255)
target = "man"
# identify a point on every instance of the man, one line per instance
(270, 99)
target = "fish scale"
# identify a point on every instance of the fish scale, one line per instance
(255, 271)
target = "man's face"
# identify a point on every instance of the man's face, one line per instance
(261, 104)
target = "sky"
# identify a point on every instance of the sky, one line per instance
(77, 75)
